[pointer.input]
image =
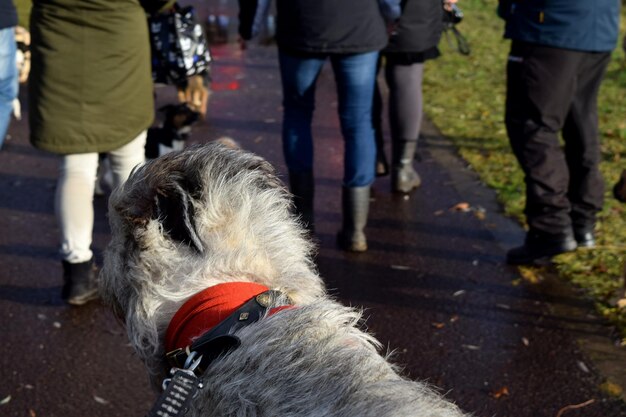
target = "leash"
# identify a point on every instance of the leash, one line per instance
(190, 362)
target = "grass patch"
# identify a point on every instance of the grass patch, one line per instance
(23, 11)
(464, 96)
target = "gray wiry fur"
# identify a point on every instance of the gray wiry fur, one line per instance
(214, 214)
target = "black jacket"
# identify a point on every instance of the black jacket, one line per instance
(323, 26)
(419, 28)
(8, 14)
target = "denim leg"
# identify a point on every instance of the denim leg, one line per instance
(355, 76)
(298, 76)
(8, 79)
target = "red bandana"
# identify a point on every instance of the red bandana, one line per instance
(206, 309)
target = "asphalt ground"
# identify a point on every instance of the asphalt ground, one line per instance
(433, 284)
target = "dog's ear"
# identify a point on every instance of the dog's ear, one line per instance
(175, 211)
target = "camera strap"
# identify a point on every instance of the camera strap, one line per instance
(462, 45)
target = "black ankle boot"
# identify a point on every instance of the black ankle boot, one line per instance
(302, 186)
(355, 207)
(539, 248)
(79, 283)
(404, 178)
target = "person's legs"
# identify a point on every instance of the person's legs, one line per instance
(127, 157)
(74, 212)
(582, 149)
(8, 79)
(355, 76)
(540, 89)
(405, 119)
(74, 205)
(299, 75)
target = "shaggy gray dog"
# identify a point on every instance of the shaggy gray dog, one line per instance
(211, 215)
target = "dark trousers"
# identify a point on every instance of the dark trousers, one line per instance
(552, 90)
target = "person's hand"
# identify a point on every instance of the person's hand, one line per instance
(447, 4)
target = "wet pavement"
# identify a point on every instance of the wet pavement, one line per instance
(434, 283)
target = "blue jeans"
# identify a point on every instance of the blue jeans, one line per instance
(8, 78)
(355, 75)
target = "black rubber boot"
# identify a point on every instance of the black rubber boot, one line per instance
(404, 178)
(302, 186)
(79, 283)
(355, 205)
(539, 248)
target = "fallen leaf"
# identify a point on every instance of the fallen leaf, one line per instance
(100, 400)
(454, 318)
(500, 392)
(459, 292)
(464, 207)
(480, 215)
(611, 388)
(438, 325)
(525, 341)
(583, 367)
(32, 413)
(531, 275)
(5, 400)
(471, 347)
(400, 267)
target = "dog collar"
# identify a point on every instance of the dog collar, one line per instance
(205, 323)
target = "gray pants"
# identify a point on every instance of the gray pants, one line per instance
(405, 100)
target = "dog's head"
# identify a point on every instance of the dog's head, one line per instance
(193, 219)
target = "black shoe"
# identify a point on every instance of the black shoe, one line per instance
(80, 283)
(538, 249)
(585, 238)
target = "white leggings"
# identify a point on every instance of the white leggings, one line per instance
(73, 201)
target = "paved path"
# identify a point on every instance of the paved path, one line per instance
(434, 285)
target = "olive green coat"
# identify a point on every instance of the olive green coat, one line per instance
(90, 86)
